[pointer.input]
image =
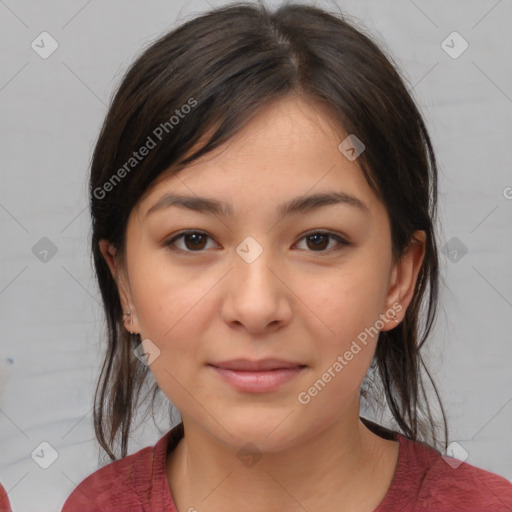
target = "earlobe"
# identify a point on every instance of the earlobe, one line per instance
(127, 316)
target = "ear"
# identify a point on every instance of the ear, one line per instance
(403, 279)
(119, 275)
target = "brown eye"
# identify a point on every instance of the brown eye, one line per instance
(196, 241)
(318, 241)
(193, 241)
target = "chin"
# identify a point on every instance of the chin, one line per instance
(267, 434)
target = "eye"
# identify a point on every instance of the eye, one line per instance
(194, 241)
(320, 240)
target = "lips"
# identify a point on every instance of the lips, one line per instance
(256, 366)
(263, 376)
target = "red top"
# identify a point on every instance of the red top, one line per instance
(423, 481)
(4, 501)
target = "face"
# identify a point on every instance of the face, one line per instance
(255, 280)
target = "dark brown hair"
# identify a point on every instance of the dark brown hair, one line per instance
(224, 66)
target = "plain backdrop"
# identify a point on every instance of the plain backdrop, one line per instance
(51, 110)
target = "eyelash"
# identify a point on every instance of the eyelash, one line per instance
(341, 241)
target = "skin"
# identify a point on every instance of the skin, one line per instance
(295, 301)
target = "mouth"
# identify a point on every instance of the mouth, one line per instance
(256, 366)
(257, 376)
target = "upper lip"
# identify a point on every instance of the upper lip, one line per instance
(253, 365)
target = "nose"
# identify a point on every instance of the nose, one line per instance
(257, 297)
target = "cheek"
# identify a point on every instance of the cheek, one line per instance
(172, 310)
(167, 299)
(345, 345)
(175, 311)
(346, 303)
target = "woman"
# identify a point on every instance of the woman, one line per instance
(263, 195)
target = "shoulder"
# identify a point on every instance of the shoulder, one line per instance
(117, 486)
(447, 484)
(4, 500)
(125, 484)
(467, 488)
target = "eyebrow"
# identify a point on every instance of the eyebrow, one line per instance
(302, 204)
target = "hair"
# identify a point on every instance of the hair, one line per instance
(217, 71)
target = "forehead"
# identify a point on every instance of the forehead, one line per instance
(289, 148)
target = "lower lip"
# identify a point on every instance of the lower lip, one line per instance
(258, 382)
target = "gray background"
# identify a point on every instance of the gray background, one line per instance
(51, 110)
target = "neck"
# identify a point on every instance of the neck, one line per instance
(330, 468)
